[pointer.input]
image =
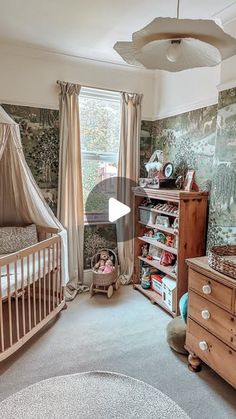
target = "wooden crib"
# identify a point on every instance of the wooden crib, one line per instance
(31, 291)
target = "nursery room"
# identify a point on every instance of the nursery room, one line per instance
(118, 209)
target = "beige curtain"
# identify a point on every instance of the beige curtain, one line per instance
(70, 190)
(128, 168)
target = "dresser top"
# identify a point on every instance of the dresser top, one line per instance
(200, 264)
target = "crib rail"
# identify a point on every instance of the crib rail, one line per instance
(31, 292)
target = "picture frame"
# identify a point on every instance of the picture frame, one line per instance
(189, 180)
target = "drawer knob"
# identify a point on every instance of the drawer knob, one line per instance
(205, 314)
(203, 345)
(206, 289)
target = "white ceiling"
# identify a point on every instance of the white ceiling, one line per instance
(89, 28)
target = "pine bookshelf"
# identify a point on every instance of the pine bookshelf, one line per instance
(192, 220)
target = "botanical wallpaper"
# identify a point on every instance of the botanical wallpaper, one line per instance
(203, 140)
(188, 141)
(40, 138)
(222, 217)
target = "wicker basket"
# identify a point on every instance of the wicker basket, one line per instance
(219, 259)
(104, 279)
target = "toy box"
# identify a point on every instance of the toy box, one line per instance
(169, 292)
(156, 283)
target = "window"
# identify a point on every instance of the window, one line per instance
(100, 137)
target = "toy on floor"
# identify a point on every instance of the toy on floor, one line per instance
(105, 273)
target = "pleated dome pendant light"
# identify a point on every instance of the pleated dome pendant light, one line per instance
(175, 44)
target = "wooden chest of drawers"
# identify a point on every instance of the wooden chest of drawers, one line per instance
(211, 328)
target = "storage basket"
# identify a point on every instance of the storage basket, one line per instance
(223, 259)
(104, 279)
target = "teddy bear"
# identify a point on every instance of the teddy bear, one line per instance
(100, 265)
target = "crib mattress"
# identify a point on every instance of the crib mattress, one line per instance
(29, 273)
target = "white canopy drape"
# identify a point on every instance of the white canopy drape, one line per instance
(21, 201)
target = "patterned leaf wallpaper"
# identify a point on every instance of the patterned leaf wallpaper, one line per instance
(203, 140)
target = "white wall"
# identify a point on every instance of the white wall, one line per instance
(228, 67)
(28, 77)
(180, 92)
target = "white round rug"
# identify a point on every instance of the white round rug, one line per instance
(90, 395)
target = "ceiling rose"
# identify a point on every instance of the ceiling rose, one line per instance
(174, 44)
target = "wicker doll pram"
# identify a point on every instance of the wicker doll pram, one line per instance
(104, 282)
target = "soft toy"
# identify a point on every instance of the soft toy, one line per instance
(166, 258)
(169, 241)
(100, 265)
(109, 267)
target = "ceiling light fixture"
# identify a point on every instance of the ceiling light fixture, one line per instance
(175, 44)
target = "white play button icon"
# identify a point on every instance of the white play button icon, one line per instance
(117, 210)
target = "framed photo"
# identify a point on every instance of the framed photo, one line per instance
(189, 180)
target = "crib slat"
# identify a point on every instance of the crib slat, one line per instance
(28, 287)
(34, 298)
(16, 300)
(39, 276)
(23, 294)
(57, 277)
(1, 313)
(49, 281)
(44, 284)
(53, 276)
(60, 274)
(9, 304)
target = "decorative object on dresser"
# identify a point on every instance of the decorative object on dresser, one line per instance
(189, 182)
(177, 221)
(159, 174)
(211, 325)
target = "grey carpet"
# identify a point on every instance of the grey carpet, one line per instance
(92, 395)
(126, 335)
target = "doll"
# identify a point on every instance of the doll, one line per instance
(144, 250)
(108, 267)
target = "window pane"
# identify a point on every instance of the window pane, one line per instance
(100, 137)
(100, 124)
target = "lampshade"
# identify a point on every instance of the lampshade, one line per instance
(177, 44)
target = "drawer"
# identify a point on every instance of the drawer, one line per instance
(211, 290)
(212, 317)
(217, 355)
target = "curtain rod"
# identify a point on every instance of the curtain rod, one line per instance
(99, 88)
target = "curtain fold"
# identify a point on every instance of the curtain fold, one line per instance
(128, 168)
(70, 190)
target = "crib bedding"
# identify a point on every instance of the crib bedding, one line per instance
(31, 270)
